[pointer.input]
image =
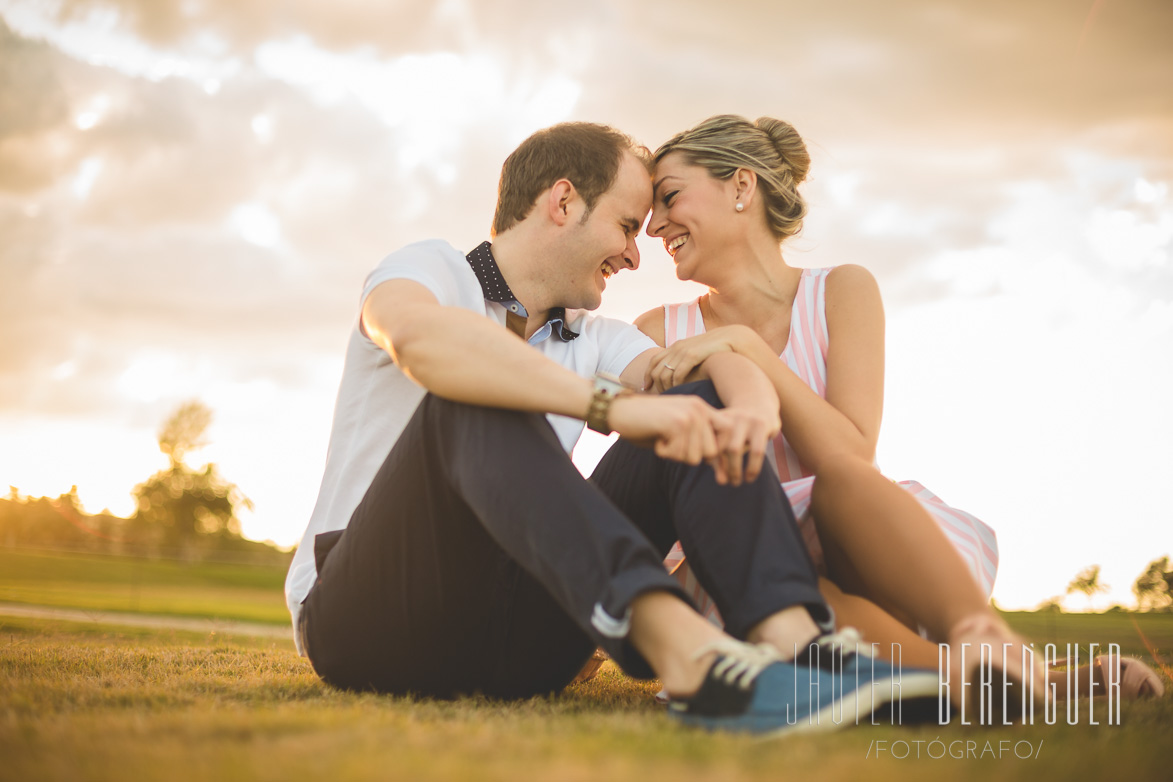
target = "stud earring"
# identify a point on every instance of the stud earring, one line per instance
(739, 207)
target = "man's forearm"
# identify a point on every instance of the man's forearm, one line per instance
(459, 355)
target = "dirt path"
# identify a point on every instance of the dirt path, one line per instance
(154, 621)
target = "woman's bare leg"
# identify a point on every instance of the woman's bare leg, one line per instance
(881, 543)
(891, 637)
(880, 628)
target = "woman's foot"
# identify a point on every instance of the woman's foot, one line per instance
(1136, 679)
(1018, 675)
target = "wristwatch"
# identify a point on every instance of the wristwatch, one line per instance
(607, 389)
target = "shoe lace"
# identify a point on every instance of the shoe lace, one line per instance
(739, 664)
(845, 642)
(832, 650)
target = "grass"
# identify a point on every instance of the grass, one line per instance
(1130, 630)
(250, 593)
(86, 702)
(82, 701)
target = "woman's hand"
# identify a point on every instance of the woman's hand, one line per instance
(743, 434)
(672, 366)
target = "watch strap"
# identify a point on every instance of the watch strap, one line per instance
(607, 388)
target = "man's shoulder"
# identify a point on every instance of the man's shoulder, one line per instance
(582, 320)
(601, 328)
(426, 250)
(434, 264)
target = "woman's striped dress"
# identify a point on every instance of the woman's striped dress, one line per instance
(806, 355)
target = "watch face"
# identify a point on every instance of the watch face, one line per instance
(608, 384)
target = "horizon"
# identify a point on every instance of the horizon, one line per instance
(192, 194)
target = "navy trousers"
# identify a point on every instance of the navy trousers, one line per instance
(480, 560)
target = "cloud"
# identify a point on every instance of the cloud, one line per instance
(387, 27)
(192, 191)
(142, 198)
(33, 106)
(220, 226)
(32, 99)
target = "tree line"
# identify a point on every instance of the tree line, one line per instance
(1153, 588)
(183, 512)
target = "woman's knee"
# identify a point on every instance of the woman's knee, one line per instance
(838, 477)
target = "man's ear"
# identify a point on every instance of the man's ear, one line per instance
(745, 185)
(561, 201)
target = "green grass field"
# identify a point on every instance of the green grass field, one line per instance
(251, 593)
(81, 701)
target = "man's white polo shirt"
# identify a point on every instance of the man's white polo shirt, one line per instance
(376, 400)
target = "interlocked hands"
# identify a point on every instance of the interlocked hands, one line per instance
(687, 429)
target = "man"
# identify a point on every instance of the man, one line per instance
(454, 548)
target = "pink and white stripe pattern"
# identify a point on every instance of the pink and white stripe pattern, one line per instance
(806, 355)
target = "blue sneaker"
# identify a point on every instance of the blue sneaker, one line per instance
(847, 658)
(750, 689)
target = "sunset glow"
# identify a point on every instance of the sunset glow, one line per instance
(191, 195)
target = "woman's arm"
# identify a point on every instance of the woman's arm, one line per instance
(751, 403)
(848, 420)
(855, 350)
(686, 355)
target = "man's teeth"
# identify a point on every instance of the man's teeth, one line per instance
(607, 270)
(677, 243)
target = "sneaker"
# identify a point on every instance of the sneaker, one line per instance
(750, 689)
(845, 655)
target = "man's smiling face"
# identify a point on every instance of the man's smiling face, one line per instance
(603, 243)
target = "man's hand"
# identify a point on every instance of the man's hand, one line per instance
(687, 429)
(681, 428)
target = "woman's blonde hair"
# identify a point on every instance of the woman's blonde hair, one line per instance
(770, 148)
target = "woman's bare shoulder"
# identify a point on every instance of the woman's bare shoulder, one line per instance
(852, 282)
(851, 275)
(652, 324)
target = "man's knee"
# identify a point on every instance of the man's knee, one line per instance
(462, 432)
(702, 388)
(441, 410)
(464, 418)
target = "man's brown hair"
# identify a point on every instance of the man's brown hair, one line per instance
(585, 153)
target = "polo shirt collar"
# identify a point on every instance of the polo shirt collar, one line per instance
(494, 288)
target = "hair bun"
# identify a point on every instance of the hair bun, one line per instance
(789, 146)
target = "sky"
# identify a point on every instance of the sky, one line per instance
(192, 192)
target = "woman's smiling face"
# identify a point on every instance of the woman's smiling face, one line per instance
(691, 212)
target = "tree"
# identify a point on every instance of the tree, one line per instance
(185, 430)
(1154, 587)
(183, 507)
(1088, 582)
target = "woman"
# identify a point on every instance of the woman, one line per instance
(895, 556)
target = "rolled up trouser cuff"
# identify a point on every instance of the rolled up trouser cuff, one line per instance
(778, 597)
(610, 625)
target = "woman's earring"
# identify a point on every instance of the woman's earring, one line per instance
(740, 206)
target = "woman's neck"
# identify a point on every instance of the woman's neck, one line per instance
(757, 290)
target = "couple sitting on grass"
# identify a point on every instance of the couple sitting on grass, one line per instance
(455, 549)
